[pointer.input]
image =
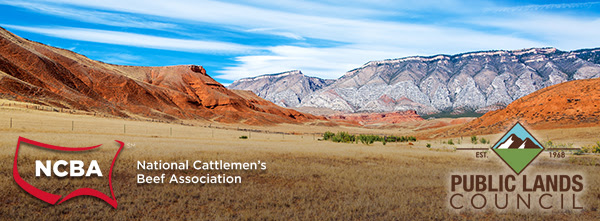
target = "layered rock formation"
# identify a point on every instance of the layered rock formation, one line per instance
(37, 73)
(570, 104)
(478, 81)
(286, 89)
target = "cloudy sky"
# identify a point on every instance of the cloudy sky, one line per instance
(236, 39)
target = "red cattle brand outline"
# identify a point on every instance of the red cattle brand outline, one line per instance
(53, 198)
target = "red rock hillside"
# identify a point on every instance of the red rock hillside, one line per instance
(379, 118)
(566, 105)
(40, 74)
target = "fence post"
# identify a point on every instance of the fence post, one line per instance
(72, 125)
(11, 122)
(124, 129)
(171, 131)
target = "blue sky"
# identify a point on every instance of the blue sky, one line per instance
(236, 39)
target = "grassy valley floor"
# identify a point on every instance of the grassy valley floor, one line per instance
(305, 179)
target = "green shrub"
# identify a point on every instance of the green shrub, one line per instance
(328, 135)
(450, 142)
(484, 141)
(428, 145)
(400, 138)
(593, 148)
(243, 137)
(549, 144)
(367, 139)
(474, 139)
(343, 137)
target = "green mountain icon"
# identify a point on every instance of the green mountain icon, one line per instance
(518, 148)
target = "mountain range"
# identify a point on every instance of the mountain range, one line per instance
(469, 82)
(36, 73)
(285, 89)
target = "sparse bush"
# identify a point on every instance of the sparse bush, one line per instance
(328, 135)
(428, 145)
(450, 142)
(343, 137)
(596, 148)
(474, 139)
(483, 140)
(549, 144)
(593, 148)
(367, 139)
(243, 137)
(400, 138)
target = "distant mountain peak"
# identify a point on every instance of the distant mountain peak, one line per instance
(478, 81)
(469, 82)
(286, 89)
(276, 75)
(438, 57)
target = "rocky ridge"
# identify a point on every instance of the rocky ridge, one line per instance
(468, 82)
(566, 105)
(287, 89)
(36, 73)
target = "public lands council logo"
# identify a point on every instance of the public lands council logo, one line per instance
(518, 148)
(558, 190)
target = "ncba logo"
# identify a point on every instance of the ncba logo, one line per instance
(77, 168)
(517, 148)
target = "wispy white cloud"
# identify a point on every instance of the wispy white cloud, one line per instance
(563, 32)
(120, 58)
(540, 7)
(360, 29)
(90, 16)
(321, 62)
(332, 62)
(298, 24)
(138, 40)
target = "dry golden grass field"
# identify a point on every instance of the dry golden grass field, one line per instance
(306, 179)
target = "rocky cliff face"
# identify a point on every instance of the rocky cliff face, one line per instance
(478, 81)
(567, 105)
(286, 89)
(40, 74)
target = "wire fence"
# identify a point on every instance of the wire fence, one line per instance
(109, 124)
